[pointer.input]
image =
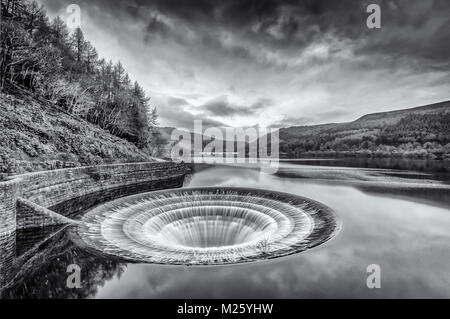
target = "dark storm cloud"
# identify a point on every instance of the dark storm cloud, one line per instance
(180, 118)
(414, 29)
(288, 24)
(156, 27)
(277, 61)
(176, 102)
(221, 106)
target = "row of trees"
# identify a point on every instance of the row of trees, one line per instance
(44, 58)
(415, 135)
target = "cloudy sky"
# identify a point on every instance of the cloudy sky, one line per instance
(273, 62)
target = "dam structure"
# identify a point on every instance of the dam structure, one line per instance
(141, 213)
(33, 202)
(57, 197)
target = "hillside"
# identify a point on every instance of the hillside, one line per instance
(421, 132)
(393, 117)
(36, 135)
(42, 57)
(61, 104)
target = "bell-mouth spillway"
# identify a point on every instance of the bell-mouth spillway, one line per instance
(207, 226)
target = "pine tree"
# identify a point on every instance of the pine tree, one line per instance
(77, 44)
(42, 57)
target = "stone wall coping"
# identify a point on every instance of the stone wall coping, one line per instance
(36, 192)
(20, 178)
(46, 212)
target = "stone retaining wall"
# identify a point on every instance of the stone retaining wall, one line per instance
(32, 215)
(69, 191)
(8, 195)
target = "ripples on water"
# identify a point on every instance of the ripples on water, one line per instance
(406, 236)
(207, 226)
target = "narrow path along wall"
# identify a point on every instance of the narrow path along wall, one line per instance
(70, 191)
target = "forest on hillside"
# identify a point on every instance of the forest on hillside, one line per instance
(43, 58)
(413, 136)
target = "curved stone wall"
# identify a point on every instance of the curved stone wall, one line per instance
(69, 191)
(8, 195)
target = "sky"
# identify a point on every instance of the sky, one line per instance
(273, 63)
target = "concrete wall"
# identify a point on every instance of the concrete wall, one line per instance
(7, 256)
(29, 215)
(8, 195)
(70, 191)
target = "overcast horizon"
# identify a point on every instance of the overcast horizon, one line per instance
(273, 63)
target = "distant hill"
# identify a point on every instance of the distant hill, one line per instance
(166, 135)
(420, 132)
(391, 117)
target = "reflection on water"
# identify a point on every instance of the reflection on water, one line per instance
(407, 238)
(440, 170)
(42, 271)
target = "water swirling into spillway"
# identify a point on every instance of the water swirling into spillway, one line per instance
(207, 226)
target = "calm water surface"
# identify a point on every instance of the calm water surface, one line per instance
(384, 222)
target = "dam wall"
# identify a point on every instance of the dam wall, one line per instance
(68, 192)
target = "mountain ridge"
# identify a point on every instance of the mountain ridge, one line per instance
(418, 132)
(421, 131)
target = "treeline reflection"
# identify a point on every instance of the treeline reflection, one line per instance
(33, 264)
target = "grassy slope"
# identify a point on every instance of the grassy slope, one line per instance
(416, 132)
(34, 135)
(370, 121)
(376, 128)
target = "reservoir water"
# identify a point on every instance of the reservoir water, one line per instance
(396, 217)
